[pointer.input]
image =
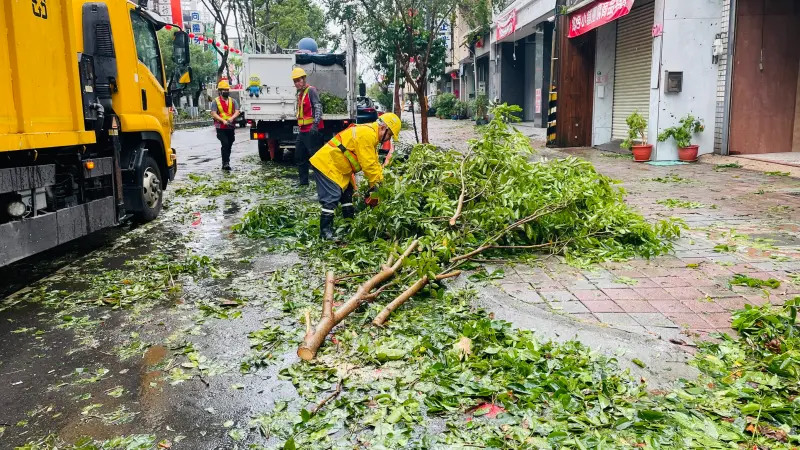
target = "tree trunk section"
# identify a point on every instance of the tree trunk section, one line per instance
(423, 112)
(407, 294)
(313, 340)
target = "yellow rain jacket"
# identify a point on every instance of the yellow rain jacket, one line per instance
(352, 150)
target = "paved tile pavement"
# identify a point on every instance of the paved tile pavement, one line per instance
(748, 222)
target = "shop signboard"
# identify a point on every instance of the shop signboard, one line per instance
(507, 24)
(597, 14)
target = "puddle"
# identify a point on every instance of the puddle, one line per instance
(154, 355)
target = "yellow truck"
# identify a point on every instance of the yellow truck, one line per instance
(85, 120)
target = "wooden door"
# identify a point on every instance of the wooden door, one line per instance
(575, 89)
(765, 76)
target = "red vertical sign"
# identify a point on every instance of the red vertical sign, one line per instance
(177, 15)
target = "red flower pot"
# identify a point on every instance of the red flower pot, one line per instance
(641, 153)
(688, 154)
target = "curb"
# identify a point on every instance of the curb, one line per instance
(193, 124)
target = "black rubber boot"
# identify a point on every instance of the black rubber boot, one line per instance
(326, 226)
(348, 212)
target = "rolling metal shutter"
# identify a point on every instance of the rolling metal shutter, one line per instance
(632, 67)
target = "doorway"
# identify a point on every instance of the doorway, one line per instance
(764, 114)
(575, 87)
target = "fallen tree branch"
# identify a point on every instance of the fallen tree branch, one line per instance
(407, 294)
(460, 204)
(313, 338)
(328, 398)
(489, 243)
(308, 349)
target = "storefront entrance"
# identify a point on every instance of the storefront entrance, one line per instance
(764, 110)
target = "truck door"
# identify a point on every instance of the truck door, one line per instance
(152, 84)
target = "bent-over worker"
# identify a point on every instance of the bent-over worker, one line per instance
(337, 162)
(225, 114)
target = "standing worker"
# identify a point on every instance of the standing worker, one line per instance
(225, 114)
(309, 119)
(337, 162)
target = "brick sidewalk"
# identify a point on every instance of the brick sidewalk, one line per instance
(745, 222)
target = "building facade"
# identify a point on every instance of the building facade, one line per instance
(519, 60)
(660, 58)
(734, 64)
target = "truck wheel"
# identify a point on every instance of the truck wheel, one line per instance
(263, 151)
(152, 193)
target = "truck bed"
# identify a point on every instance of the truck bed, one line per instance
(276, 102)
(43, 109)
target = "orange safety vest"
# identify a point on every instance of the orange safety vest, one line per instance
(305, 112)
(226, 115)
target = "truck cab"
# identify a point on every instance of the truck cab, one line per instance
(85, 140)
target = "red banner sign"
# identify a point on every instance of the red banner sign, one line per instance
(177, 15)
(596, 14)
(507, 24)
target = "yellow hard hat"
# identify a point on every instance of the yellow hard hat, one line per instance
(223, 84)
(393, 122)
(298, 73)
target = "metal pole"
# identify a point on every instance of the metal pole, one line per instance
(726, 115)
(395, 101)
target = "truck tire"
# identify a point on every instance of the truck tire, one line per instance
(263, 151)
(152, 191)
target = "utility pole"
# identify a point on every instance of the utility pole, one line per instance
(395, 95)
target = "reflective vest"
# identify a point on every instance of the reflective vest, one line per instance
(226, 115)
(351, 157)
(305, 112)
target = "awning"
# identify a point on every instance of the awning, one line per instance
(597, 14)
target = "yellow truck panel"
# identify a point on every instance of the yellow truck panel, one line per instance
(38, 67)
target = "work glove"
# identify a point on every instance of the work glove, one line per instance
(370, 200)
(314, 130)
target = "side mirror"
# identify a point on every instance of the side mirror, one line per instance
(180, 49)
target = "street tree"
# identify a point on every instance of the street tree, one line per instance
(204, 68)
(405, 33)
(281, 22)
(221, 13)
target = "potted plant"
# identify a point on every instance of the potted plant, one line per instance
(636, 141)
(481, 106)
(682, 134)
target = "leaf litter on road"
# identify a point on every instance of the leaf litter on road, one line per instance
(415, 383)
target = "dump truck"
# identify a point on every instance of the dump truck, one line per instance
(85, 128)
(272, 114)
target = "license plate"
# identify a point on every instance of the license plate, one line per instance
(296, 130)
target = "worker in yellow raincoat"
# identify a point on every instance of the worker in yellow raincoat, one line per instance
(349, 152)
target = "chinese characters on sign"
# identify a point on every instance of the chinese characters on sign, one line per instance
(507, 24)
(597, 14)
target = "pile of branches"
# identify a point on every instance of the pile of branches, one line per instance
(332, 104)
(492, 201)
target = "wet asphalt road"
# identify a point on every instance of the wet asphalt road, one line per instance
(46, 382)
